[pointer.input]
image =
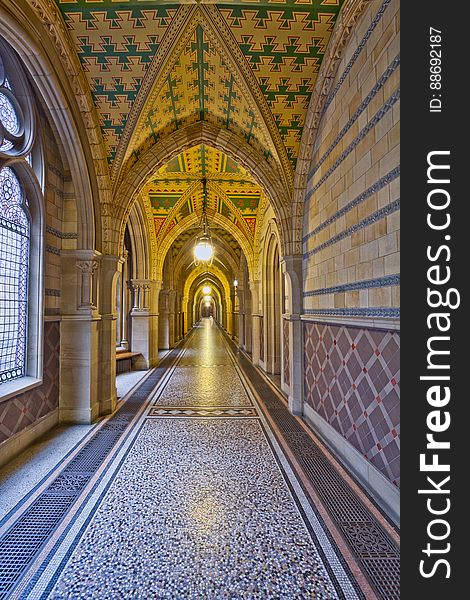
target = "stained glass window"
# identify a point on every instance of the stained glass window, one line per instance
(6, 145)
(8, 114)
(14, 267)
(11, 118)
(8, 119)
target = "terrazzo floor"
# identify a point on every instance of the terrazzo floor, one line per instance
(27, 469)
(197, 501)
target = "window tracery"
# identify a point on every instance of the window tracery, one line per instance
(16, 146)
(14, 267)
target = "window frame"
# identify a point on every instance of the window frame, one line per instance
(29, 176)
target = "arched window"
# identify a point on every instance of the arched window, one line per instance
(21, 235)
(14, 269)
(16, 111)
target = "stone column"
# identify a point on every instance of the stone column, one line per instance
(248, 322)
(292, 270)
(153, 293)
(87, 293)
(255, 289)
(235, 312)
(124, 343)
(110, 268)
(177, 317)
(79, 335)
(191, 314)
(172, 317)
(164, 321)
(185, 316)
(144, 317)
(229, 318)
(241, 316)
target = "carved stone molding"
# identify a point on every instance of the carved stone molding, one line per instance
(51, 19)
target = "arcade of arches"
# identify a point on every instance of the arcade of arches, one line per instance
(261, 382)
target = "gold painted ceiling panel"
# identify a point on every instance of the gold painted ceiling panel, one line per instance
(175, 191)
(281, 42)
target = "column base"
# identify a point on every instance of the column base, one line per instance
(78, 415)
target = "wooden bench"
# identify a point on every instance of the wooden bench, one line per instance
(125, 361)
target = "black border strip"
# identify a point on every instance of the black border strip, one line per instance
(423, 131)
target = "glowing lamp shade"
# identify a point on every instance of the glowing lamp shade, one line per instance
(207, 298)
(206, 289)
(203, 249)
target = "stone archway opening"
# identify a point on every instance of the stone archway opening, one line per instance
(272, 331)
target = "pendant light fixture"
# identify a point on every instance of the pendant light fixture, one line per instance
(203, 248)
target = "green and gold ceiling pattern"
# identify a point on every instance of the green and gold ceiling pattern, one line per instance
(282, 42)
(200, 87)
(116, 43)
(176, 191)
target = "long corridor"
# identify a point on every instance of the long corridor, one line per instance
(184, 493)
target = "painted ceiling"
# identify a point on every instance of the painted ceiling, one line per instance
(245, 65)
(176, 191)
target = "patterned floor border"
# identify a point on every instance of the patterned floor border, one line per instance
(193, 412)
(353, 529)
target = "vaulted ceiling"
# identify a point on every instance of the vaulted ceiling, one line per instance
(247, 66)
(171, 55)
(175, 191)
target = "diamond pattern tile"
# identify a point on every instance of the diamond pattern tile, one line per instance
(23, 410)
(352, 380)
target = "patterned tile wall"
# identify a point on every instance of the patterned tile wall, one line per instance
(352, 380)
(21, 411)
(285, 339)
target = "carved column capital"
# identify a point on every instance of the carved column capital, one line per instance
(87, 268)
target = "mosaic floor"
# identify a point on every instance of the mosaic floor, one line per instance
(193, 498)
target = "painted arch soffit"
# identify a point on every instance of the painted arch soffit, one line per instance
(200, 81)
(225, 235)
(175, 193)
(247, 65)
(213, 271)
